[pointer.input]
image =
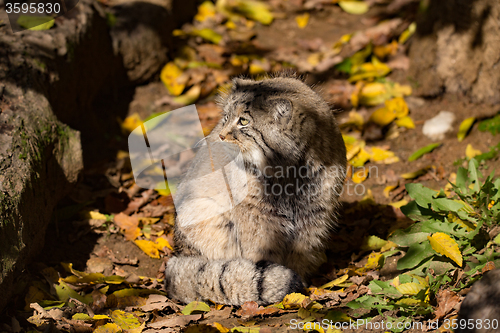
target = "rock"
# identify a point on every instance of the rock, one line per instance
(54, 85)
(436, 127)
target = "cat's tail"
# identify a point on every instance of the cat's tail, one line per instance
(232, 282)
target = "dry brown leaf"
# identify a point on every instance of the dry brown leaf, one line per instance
(448, 301)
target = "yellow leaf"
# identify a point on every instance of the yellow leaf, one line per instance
(375, 69)
(163, 242)
(171, 77)
(148, 247)
(126, 321)
(464, 128)
(354, 7)
(353, 146)
(337, 47)
(407, 33)
(398, 90)
(383, 116)
(374, 261)
(398, 106)
(190, 96)
(471, 152)
(108, 328)
(230, 25)
(254, 10)
(205, 10)
(398, 204)
(405, 122)
(445, 245)
(148, 220)
(381, 51)
(314, 59)
(33, 22)
(388, 189)
(373, 243)
(389, 245)
(207, 34)
(380, 155)
(415, 174)
(410, 288)
(373, 94)
(355, 119)
(131, 123)
(293, 300)
(195, 307)
(360, 176)
(360, 159)
(221, 328)
(335, 282)
(464, 224)
(92, 215)
(302, 20)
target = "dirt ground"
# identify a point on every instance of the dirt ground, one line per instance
(102, 185)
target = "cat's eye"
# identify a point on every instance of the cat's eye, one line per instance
(243, 122)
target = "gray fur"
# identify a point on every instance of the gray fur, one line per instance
(290, 128)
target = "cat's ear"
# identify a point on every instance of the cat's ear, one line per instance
(282, 109)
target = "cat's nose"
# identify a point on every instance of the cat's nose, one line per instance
(222, 137)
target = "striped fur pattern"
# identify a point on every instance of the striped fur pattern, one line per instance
(269, 244)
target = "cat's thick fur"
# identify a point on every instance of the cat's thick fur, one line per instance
(267, 245)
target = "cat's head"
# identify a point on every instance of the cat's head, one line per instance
(277, 121)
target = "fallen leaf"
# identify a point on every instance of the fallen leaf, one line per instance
(108, 328)
(127, 321)
(128, 224)
(35, 22)
(415, 174)
(131, 123)
(302, 20)
(254, 10)
(360, 176)
(470, 152)
(207, 34)
(177, 321)
(335, 282)
(447, 246)
(407, 33)
(189, 97)
(172, 78)
(293, 300)
(447, 301)
(464, 128)
(205, 10)
(422, 151)
(148, 247)
(195, 307)
(388, 189)
(406, 122)
(354, 7)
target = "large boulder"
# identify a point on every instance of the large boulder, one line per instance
(50, 84)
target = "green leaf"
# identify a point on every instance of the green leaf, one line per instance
(384, 288)
(354, 7)
(406, 238)
(35, 22)
(422, 151)
(195, 307)
(417, 253)
(345, 66)
(492, 125)
(422, 195)
(474, 176)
